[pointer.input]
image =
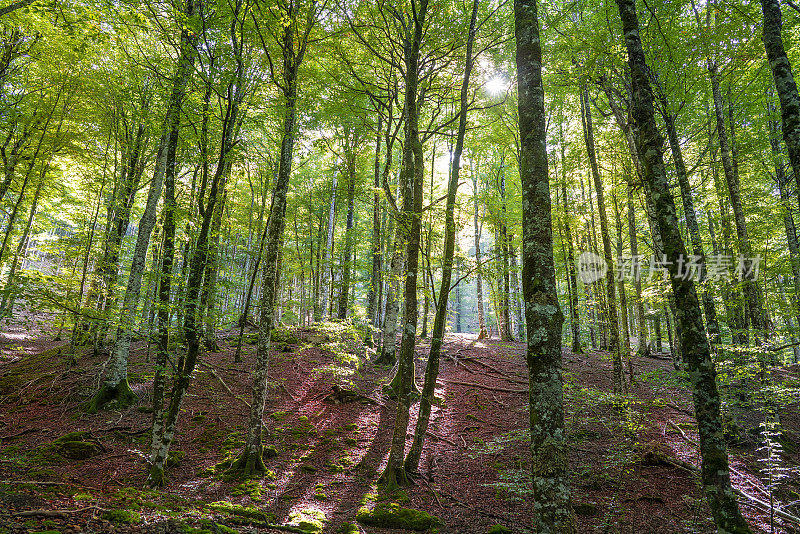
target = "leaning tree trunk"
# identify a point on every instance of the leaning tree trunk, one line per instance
(712, 326)
(694, 344)
(552, 513)
(440, 320)
(784, 82)
(115, 380)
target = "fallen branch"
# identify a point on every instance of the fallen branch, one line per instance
(482, 386)
(55, 513)
(22, 433)
(442, 438)
(765, 506)
(221, 381)
(289, 393)
(679, 409)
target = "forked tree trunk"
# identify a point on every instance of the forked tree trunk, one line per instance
(694, 344)
(410, 221)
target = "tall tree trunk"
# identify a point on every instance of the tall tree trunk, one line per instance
(482, 333)
(344, 292)
(552, 513)
(784, 83)
(712, 326)
(575, 321)
(643, 348)
(327, 282)
(410, 221)
(611, 305)
(696, 350)
(440, 320)
(294, 48)
(375, 274)
(754, 302)
(172, 123)
(505, 293)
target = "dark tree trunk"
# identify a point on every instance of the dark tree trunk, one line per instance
(440, 320)
(784, 83)
(552, 513)
(713, 450)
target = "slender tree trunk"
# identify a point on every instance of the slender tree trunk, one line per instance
(754, 302)
(482, 333)
(440, 320)
(695, 346)
(613, 322)
(327, 282)
(348, 240)
(375, 274)
(575, 320)
(250, 460)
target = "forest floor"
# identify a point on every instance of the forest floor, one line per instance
(474, 471)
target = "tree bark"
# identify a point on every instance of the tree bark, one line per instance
(611, 306)
(410, 221)
(784, 83)
(697, 353)
(552, 512)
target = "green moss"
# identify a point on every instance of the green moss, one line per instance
(499, 529)
(309, 520)
(279, 415)
(253, 515)
(284, 335)
(252, 487)
(348, 528)
(340, 465)
(121, 517)
(394, 516)
(46, 532)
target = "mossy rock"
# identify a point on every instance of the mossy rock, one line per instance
(348, 528)
(499, 529)
(174, 458)
(121, 517)
(78, 445)
(77, 450)
(394, 516)
(244, 514)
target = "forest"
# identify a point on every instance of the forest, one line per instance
(348, 266)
